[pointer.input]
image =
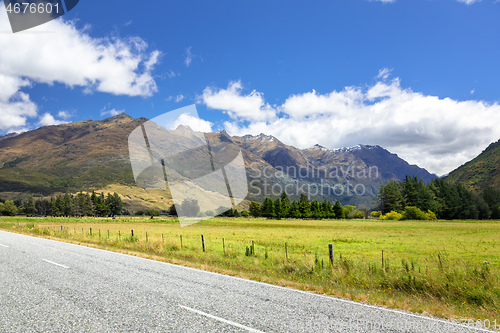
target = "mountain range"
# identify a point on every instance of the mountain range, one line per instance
(93, 155)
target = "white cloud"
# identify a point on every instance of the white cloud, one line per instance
(438, 134)
(111, 113)
(65, 114)
(469, 2)
(119, 66)
(15, 112)
(48, 120)
(177, 99)
(189, 57)
(236, 105)
(385, 1)
(196, 124)
(384, 73)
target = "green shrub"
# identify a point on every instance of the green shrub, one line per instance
(430, 215)
(358, 214)
(152, 213)
(413, 213)
(376, 214)
(395, 216)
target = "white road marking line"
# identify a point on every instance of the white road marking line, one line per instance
(54, 263)
(4, 245)
(249, 329)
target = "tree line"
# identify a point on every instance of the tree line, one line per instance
(81, 204)
(304, 208)
(446, 200)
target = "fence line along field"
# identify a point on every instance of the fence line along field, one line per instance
(448, 269)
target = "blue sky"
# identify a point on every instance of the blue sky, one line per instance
(420, 78)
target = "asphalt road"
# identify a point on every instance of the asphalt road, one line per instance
(49, 286)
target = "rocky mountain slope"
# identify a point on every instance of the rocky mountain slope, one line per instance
(481, 172)
(94, 154)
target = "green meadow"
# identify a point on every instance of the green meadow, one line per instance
(448, 269)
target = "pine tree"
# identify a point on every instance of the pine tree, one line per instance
(492, 199)
(317, 210)
(294, 211)
(338, 210)
(255, 209)
(327, 208)
(268, 208)
(282, 210)
(28, 206)
(390, 197)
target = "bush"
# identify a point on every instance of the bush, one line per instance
(430, 215)
(392, 215)
(245, 214)
(413, 213)
(358, 214)
(376, 214)
(349, 211)
(152, 213)
(8, 208)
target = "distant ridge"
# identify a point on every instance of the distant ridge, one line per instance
(481, 172)
(90, 154)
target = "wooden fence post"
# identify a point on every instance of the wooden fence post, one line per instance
(203, 242)
(146, 236)
(90, 231)
(223, 246)
(382, 259)
(132, 232)
(286, 251)
(181, 241)
(330, 251)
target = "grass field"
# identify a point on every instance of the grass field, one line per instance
(449, 269)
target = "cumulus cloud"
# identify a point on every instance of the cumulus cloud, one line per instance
(48, 120)
(70, 56)
(15, 112)
(238, 105)
(438, 134)
(196, 124)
